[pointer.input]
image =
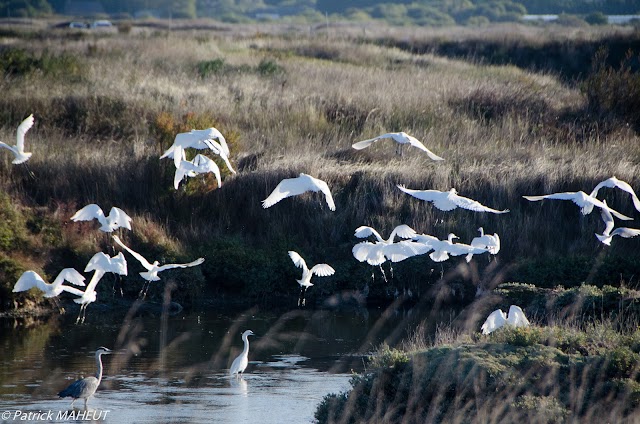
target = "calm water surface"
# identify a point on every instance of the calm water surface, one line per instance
(173, 368)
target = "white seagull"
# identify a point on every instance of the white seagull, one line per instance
(400, 138)
(18, 150)
(607, 235)
(100, 263)
(497, 319)
(196, 139)
(199, 165)
(30, 279)
(295, 186)
(613, 182)
(117, 217)
(321, 270)
(240, 363)
(449, 200)
(153, 268)
(580, 198)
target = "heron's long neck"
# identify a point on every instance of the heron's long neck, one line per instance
(99, 364)
(245, 351)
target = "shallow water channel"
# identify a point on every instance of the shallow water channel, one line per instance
(174, 368)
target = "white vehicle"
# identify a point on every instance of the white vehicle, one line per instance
(101, 24)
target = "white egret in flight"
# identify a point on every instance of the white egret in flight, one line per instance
(295, 186)
(497, 319)
(580, 198)
(196, 139)
(607, 235)
(86, 387)
(199, 165)
(30, 279)
(117, 217)
(613, 182)
(449, 200)
(240, 363)
(18, 150)
(443, 248)
(321, 270)
(153, 268)
(401, 138)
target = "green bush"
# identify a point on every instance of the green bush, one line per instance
(209, 67)
(268, 67)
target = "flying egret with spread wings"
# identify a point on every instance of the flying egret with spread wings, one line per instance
(497, 319)
(608, 233)
(18, 150)
(199, 165)
(295, 186)
(321, 270)
(117, 218)
(580, 198)
(449, 200)
(401, 138)
(613, 182)
(196, 139)
(442, 249)
(153, 268)
(31, 279)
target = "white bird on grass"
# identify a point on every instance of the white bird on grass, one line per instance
(607, 235)
(30, 279)
(240, 363)
(613, 182)
(400, 138)
(295, 186)
(18, 150)
(117, 217)
(491, 243)
(196, 139)
(321, 270)
(580, 198)
(497, 319)
(100, 263)
(153, 268)
(86, 387)
(199, 165)
(449, 200)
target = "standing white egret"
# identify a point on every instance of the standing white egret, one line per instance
(100, 263)
(491, 243)
(117, 217)
(321, 270)
(153, 268)
(497, 319)
(196, 139)
(613, 182)
(449, 200)
(295, 186)
(18, 150)
(86, 387)
(580, 198)
(199, 165)
(401, 138)
(240, 363)
(607, 235)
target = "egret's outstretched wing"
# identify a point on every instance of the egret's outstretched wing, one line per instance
(404, 249)
(136, 255)
(29, 279)
(297, 260)
(190, 264)
(439, 198)
(22, 130)
(369, 252)
(70, 275)
(71, 290)
(366, 143)
(322, 270)
(516, 317)
(218, 149)
(580, 198)
(324, 188)
(626, 232)
(557, 196)
(120, 218)
(495, 320)
(613, 182)
(403, 231)
(286, 188)
(365, 231)
(90, 212)
(404, 138)
(473, 205)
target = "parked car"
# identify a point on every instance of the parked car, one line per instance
(78, 25)
(101, 24)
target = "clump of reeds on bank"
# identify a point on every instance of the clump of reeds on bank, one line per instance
(107, 111)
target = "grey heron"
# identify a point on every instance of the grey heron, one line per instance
(86, 387)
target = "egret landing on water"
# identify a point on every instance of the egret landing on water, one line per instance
(86, 387)
(321, 270)
(153, 268)
(295, 186)
(117, 217)
(497, 319)
(401, 138)
(240, 363)
(18, 150)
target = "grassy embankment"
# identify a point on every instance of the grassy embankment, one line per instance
(107, 105)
